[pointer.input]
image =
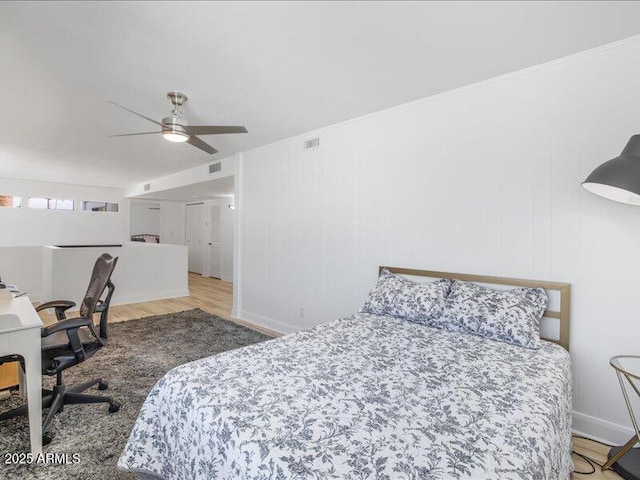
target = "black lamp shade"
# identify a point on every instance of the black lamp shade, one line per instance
(619, 178)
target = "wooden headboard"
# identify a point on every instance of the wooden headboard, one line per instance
(564, 289)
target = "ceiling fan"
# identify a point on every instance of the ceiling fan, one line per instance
(176, 129)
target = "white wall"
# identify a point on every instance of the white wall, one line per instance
(186, 177)
(144, 272)
(485, 180)
(146, 218)
(173, 223)
(32, 227)
(22, 266)
(24, 230)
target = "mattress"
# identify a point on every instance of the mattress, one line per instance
(363, 397)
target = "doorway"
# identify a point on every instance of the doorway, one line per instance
(202, 217)
(146, 221)
(209, 238)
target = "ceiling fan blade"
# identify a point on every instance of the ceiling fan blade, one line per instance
(132, 134)
(214, 130)
(198, 143)
(135, 113)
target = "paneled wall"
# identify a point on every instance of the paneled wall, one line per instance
(485, 180)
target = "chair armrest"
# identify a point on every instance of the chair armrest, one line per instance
(66, 304)
(67, 324)
(61, 307)
(70, 326)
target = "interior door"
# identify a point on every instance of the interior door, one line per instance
(194, 236)
(214, 243)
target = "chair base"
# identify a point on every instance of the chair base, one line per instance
(56, 399)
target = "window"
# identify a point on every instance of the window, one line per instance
(50, 203)
(99, 206)
(9, 201)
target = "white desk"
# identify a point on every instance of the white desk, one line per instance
(20, 335)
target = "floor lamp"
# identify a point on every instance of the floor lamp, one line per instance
(619, 180)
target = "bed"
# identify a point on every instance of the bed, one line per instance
(365, 397)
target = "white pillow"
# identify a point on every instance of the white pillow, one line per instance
(510, 316)
(400, 297)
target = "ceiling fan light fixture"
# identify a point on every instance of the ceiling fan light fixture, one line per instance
(175, 136)
(173, 130)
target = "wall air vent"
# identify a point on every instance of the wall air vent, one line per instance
(147, 186)
(313, 143)
(215, 167)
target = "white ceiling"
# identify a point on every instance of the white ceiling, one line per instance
(278, 68)
(209, 190)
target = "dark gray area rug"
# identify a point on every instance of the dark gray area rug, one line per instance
(138, 354)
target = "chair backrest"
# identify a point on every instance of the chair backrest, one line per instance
(102, 271)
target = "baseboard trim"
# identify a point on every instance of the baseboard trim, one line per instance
(600, 430)
(255, 326)
(275, 326)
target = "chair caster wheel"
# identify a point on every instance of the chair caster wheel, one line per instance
(46, 438)
(103, 385)
(114, 407)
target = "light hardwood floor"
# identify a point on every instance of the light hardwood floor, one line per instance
(215, 296)
(208, 294)
(595, 451)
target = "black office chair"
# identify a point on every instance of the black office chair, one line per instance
(70, 342)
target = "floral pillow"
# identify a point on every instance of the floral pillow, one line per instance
(400, 297)
(510, 316)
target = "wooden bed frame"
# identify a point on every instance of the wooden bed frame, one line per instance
(563, 288)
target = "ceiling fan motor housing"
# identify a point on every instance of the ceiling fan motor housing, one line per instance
(175, 124)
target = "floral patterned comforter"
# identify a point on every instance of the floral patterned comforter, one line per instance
(364, 397)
